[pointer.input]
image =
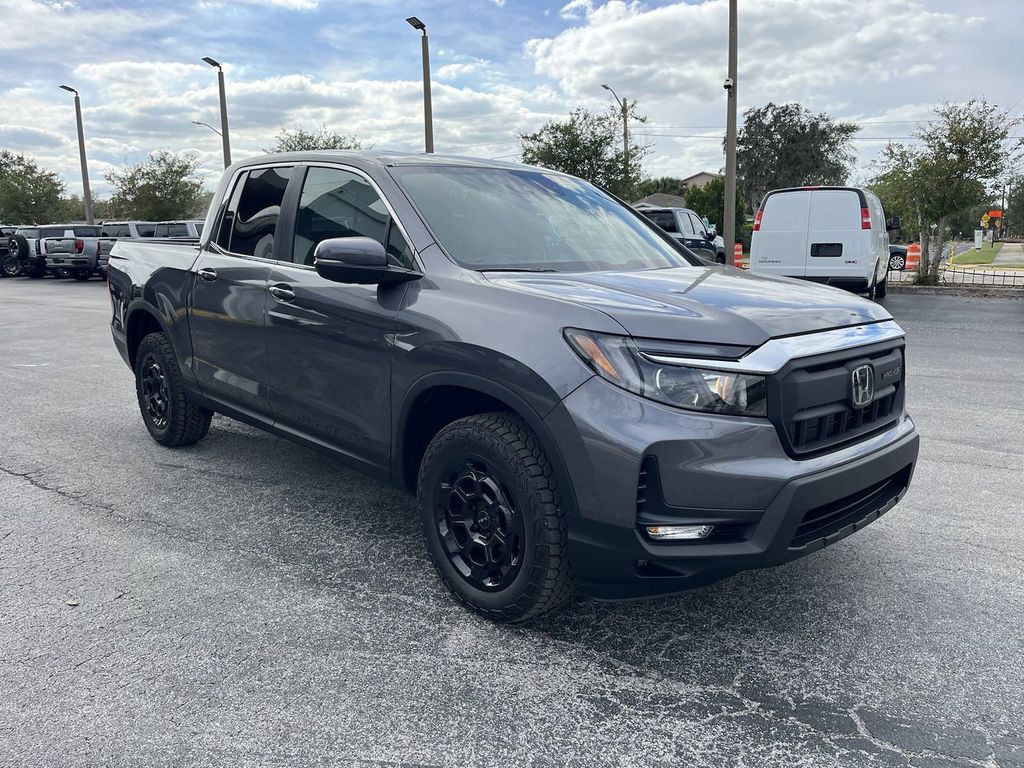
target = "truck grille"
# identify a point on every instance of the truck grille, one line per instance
(813, 402)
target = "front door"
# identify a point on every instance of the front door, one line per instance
(329, 344)
(693, 239)
(227, 312)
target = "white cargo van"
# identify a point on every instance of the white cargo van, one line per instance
(832, 235)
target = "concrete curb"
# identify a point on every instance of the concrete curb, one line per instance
(978, 291)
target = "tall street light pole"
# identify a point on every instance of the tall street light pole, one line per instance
(624, 106)
(729, 225)
(86, 191)
(223, 110)
(428, 113)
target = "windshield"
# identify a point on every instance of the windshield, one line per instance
(496, 219)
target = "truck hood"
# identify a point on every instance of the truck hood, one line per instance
(710, 304)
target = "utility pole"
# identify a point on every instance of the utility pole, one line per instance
(223, 110)
(86, 191)
(428, 109)
(624, 106)
(729, 225)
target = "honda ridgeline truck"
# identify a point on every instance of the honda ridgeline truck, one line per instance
(576, 399)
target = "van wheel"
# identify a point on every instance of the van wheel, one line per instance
(492, 518)
(169, 413)
(881, 288)
(873, 289)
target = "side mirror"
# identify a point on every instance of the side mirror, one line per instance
(358, 261)
(894, 223)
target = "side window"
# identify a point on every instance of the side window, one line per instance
(686, 223)
(337, 203)
(161, 230)
(698, 225)
(116, 230)
(664, 220)
(250, 221)
(145, 230)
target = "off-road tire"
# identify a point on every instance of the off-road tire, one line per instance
(184, 422)
(543, 581)
(10, 266)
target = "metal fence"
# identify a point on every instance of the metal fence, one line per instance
(967, 275)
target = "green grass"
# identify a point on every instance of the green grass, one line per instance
(988, 252)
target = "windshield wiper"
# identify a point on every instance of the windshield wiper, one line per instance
(517, 269)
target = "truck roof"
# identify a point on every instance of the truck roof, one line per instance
(381, 158)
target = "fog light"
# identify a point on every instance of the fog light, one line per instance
(679, 532)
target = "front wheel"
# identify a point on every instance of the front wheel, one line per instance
(492, 518)
(169, 413)
(897, 262)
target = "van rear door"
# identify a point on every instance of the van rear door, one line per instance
(836, 244)
(779, 245)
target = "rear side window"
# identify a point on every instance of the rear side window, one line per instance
(663, 219)
(337, 203)
(27, 232)
(52, 232)
(250, 220)
(171, 230)
(786, 212)
(835, 209)
(145, 230)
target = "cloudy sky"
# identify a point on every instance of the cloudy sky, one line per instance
(500, 68)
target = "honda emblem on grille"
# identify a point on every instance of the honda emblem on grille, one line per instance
(863, 379)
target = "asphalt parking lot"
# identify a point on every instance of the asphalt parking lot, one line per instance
(247, 601)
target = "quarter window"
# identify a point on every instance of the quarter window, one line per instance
(337, 203)
(664, 219)
(250, 220)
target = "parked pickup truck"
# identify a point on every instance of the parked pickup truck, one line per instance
(576, 399)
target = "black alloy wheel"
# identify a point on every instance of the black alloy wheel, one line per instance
(480, 529)
(155, 390)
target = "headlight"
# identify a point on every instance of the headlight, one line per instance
(617, 359)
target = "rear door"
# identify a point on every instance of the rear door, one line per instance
(836, 245)
(227, 311)
(779, 243)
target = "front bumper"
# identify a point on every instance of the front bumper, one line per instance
(634, 461)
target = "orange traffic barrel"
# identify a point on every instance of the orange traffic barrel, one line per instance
(737, 256)
(913, 256)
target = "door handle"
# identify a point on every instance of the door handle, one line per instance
(281, 292)
(208, 274)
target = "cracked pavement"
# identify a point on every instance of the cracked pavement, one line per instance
(246, 601)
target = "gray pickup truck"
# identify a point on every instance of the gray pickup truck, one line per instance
(577, 400)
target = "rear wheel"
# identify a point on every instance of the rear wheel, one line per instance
(881, 288)
(169, 413)
(10, 266)
(492, 518)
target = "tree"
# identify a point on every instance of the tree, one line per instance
(784, 145)
(669, 185)
(28, 194)
(961, 154)
(301, 140)
(588, 145)
(164, 187)
(709, 202)
(1014, 214)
